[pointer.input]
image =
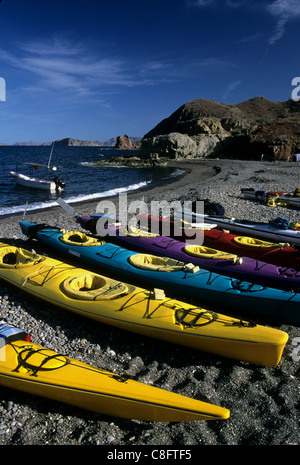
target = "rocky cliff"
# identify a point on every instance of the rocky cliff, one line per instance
(247, 130)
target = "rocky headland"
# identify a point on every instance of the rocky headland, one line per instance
(247, 130)
(255, 129)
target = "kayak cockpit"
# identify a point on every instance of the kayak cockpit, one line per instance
(89, 286)
(154, 263)
(253, 242)
(79, 238)
(131, 231)
(15, 257)
(201, 251)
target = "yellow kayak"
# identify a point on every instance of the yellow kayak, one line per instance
(132, 308)
(33, 369)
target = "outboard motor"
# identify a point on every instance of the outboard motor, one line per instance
(59, 184)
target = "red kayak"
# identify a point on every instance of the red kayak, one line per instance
(269, 252)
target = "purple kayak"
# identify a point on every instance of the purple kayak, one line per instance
(244, 268)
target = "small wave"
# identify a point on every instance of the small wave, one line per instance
(108, 193)
(19, 209)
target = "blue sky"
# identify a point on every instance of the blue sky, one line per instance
(98, 69)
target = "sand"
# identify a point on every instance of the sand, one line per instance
(264, 402)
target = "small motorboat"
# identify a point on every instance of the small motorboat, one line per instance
(47, 180)
(29, 180)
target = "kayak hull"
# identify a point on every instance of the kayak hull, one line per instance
(275, 253)
(33, 369)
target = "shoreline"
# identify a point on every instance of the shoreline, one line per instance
(171, 182)
(263, 401)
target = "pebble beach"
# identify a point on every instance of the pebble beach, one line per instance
(263, 401)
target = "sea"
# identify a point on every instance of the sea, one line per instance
(77, 168)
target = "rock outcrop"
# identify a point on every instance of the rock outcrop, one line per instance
(123, 143)
(173, 145)
(247, 130)
(126, 143)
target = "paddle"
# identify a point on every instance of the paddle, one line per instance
(25, 210)
(179, 213)
(70, 210)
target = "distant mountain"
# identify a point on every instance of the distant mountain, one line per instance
(68, 141)
(28, 143)
(108, 143)
(74, 142)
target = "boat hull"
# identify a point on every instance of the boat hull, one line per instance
(36, 183)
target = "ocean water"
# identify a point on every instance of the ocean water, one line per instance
(85, 181)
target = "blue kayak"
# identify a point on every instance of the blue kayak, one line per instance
(183, 280)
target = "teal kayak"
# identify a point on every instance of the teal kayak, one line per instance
(179, 279)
